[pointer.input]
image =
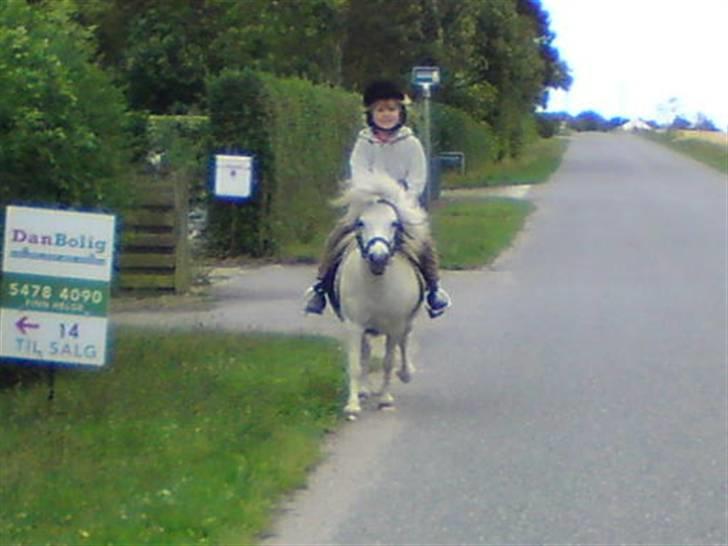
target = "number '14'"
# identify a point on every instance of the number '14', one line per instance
(69, 330)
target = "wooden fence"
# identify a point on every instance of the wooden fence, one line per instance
(154, 249)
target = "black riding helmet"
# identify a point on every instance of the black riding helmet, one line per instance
(383, 90)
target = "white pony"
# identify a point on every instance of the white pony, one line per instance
(378, 289)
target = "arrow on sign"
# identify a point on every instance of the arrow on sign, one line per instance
(23, 325)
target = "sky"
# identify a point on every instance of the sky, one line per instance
(628, 58)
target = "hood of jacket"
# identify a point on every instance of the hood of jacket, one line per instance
(402, 133)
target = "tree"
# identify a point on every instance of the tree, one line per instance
(680, 123)
(157, 50)
(284, 37)
(497, 57)
(704, 123)
(556, 73)
(508, 59)
(381, 40)
(616, 121)
(62, 137)
(589, 120)
(162, 51)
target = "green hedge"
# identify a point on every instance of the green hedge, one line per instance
(185, 144)
(455, 131)
(184, 138)
(301, 135)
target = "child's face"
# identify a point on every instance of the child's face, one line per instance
(386, 113)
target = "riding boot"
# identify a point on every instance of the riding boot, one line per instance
(316, 298)
(316, 294)
(437, 299)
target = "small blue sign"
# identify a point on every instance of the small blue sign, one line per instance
(453, 160)
(426, 75)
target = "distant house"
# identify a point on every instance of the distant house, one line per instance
(636, 124)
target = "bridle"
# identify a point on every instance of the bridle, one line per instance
(392, 246)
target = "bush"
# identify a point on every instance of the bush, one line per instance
(63, 126)
(183, 143)
(547, 125)
(300, 135)
(240, 121)
(454, 130)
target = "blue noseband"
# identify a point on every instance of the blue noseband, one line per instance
(392, 246)
(365, 248)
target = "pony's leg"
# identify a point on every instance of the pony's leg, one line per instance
(353, 408)
(385, 397)
(407, 369)
(365, 354)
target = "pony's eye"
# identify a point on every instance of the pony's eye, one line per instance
(397, 225)
(359, 224)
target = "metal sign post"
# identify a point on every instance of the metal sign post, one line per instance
(427, 77)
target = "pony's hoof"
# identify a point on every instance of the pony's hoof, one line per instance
(386, 402)
(351, 412)
(404, 376)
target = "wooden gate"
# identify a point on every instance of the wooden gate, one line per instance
(155, 250)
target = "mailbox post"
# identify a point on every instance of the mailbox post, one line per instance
(427, 77)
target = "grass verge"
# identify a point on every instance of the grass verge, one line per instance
(186, 438)
(472, 232)
(710, 152)
(537, 164)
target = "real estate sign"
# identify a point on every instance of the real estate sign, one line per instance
(55, 290)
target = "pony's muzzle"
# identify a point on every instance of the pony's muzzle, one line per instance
(378, 254)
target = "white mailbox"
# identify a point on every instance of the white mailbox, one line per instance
(233, 176)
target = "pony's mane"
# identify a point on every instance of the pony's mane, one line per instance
(364, 190)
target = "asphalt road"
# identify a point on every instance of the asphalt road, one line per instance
(577, 393)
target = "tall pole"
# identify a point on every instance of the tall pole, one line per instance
(427, 77)
(428, 145)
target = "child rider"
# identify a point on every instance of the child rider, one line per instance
(387, 146)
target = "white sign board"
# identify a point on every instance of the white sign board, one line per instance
(426, 75)
(58, 243)
(55, 286)
(233, 176)
(69, 339)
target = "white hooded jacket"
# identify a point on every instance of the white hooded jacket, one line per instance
(401, 157)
